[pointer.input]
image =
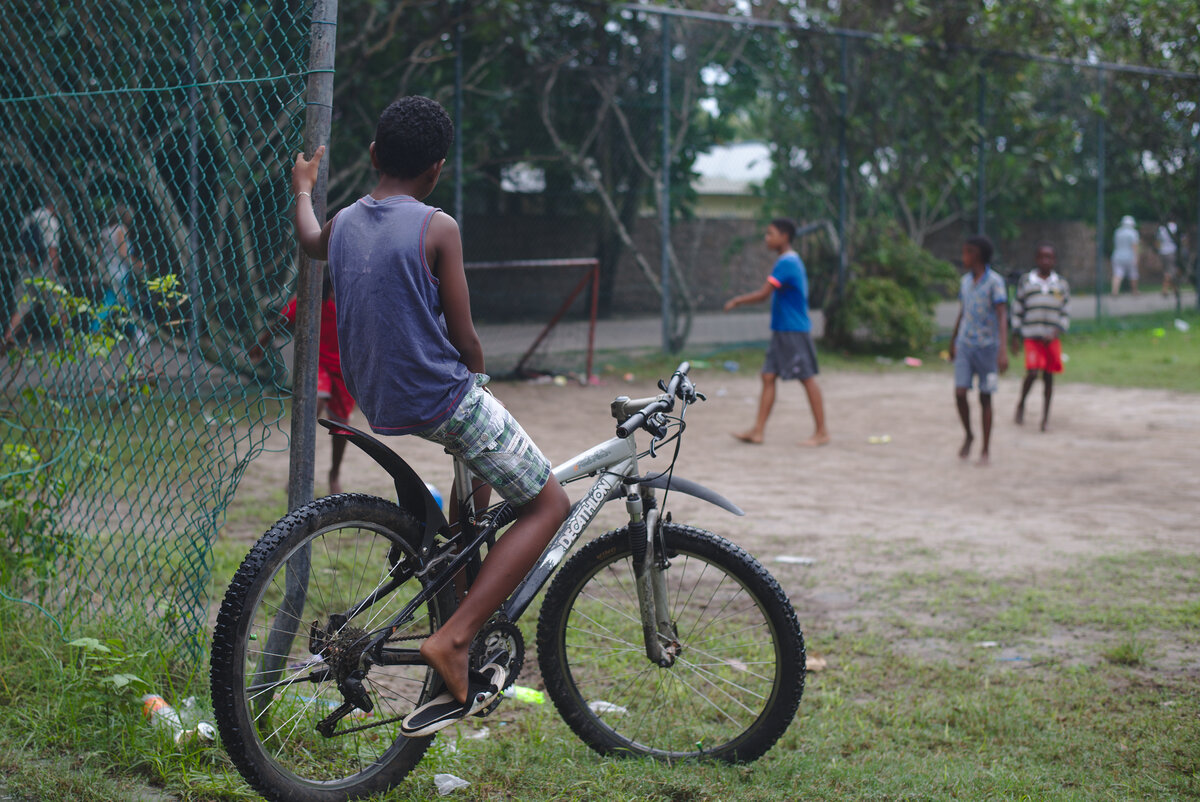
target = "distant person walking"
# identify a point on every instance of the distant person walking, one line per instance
(1124, 255)
(1041, 316)
(977, 345)
(37, 258)
(121, 268)
(1168, 248)
(791, 354)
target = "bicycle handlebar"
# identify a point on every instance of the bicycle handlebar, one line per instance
(679, 386)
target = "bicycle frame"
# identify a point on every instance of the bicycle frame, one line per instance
(615, 464)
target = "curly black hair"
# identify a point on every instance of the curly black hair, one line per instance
(983, 247)
(785, 226)
(413, 134)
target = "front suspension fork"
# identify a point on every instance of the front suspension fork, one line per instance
(658, 630)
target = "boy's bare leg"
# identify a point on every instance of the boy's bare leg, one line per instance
(1047, 391)
(765, 402)
(985, 402)
(335, 467)
(1026, 386)
(964, 415)
(816, 402)
(447, 651)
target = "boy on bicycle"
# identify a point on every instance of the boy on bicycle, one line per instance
(413, 361)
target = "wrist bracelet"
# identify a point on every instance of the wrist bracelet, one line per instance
(309, 194)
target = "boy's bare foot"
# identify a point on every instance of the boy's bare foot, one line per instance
(752, 437)
(449, 662)
(335, 484)
(1045, 425)
(818, 439)
(1020, 416)
(984, 460)
(965, 451)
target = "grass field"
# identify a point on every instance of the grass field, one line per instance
(1098, 701)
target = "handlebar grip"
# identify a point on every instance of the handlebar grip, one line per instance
(680, 375)
(631, 425)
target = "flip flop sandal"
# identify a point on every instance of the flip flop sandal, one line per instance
(443, 710)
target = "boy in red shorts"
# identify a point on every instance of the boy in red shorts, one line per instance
(333, 399)
(1040, 317)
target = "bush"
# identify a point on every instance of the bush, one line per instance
(884, 317)
(888, 302)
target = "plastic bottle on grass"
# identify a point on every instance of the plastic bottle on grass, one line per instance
(181, 728)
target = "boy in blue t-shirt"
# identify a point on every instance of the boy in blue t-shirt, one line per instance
(791, 354)
(413, 361)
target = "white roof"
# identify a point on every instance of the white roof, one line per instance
(732, 169)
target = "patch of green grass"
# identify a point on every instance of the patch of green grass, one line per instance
(71, 714)
(884, 721)
(1146, 351)
(1130, 651)
(1135, 351)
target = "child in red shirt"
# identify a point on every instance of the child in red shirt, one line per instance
(333, 399)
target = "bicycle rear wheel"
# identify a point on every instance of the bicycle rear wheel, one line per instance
(288, 634)
(739, 674)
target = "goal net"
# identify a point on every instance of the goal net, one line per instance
(536, 317)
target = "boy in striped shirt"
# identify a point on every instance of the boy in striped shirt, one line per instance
(1040, 314)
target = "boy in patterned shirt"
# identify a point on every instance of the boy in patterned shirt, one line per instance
(977, 346)
(1040, 314)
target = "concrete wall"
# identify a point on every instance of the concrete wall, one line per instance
(722, 257)
(1074, 243)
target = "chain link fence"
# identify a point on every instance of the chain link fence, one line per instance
(144, 233)
(145, 237)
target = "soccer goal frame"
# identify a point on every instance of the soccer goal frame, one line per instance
(591, 276)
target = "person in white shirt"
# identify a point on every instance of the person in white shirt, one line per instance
(1167, 250)
(38, 258)
(1124, 255)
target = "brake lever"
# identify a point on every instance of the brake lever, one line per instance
(657, 431)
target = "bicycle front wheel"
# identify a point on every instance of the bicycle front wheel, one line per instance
(738, 674)
(288, 647)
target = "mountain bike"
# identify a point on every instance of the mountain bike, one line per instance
(655, 639)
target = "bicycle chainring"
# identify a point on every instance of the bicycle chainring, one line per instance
(499, 635)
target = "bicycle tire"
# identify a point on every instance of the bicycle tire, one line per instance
(267, 715)
(732, 691)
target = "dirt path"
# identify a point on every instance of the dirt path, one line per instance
(1117, 473)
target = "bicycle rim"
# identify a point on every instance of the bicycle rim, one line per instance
(736, 683)
(273, 683)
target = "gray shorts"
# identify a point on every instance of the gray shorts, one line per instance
(483, 434)
(791, 355)
(971, 361)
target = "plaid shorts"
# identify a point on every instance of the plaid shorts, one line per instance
(483, 434)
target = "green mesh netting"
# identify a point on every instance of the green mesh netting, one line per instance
(143, 230)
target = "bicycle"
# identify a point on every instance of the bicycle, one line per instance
(654, 639)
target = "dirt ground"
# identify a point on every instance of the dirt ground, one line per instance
(1116, 473)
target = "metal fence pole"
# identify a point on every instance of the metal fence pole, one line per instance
(196, 299)
(308, 282)
(1100, 159)
(843, 253)
(458, 116)
(318, 116)
(665, 190)
(981, 176)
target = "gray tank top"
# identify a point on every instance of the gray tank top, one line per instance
(397, 359)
